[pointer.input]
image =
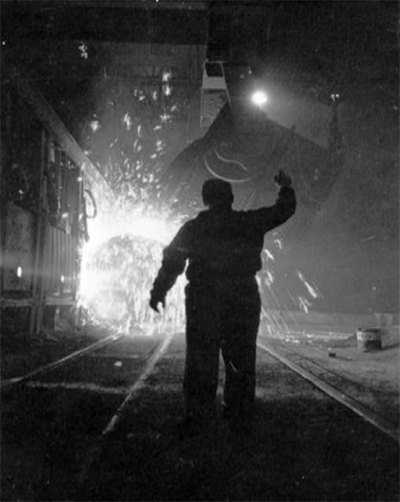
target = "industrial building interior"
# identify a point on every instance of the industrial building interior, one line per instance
(115, 112)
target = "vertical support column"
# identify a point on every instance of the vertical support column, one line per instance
(79, 234)
(3, 220)
(5, 160)
(37, 284)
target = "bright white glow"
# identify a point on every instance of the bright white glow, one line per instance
(119, 264)
(304, 304)
(269, 278)
(19, 272)
(95, 125)
(270, 256)
(167, 89)
(83, 49)
(259, 98)
(165, 118)
(127, 121)
(62, 279)
(166, 75)
(312, 290)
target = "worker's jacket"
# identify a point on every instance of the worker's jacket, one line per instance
(222, 244)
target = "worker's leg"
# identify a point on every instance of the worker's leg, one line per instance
(240, 329)
(202, 355)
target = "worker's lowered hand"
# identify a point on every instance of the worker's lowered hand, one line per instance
(282, 179)
(155, 300)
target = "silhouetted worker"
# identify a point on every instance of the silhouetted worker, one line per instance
(223, 249)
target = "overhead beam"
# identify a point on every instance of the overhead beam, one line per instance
(145, 4)
(32, 95)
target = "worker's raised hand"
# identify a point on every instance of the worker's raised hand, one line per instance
(155, 300)
(282, 179)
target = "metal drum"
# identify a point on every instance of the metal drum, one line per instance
(369, 339)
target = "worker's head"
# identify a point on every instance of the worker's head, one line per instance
(217, 194)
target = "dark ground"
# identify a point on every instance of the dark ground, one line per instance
(304, 446)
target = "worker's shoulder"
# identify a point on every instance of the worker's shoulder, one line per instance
(206, 217)
(193, 222)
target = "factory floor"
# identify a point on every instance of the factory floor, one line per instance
(371, 377)
(305, 446)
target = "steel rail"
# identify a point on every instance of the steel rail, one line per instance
(95, 346)
(112, 425)
(381, 423)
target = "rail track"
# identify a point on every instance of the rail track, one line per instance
(11, 382)
(62, 375)
(145, 367)
(300, 364)
(115, 419)
(319, 377)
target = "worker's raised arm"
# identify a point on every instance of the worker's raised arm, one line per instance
(271, 217)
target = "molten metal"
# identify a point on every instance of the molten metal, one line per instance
(119, 264)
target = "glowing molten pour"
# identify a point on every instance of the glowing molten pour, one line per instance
(119, 265)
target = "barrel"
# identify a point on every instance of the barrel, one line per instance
(369, 339)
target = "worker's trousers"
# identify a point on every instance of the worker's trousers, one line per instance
(221, 316)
